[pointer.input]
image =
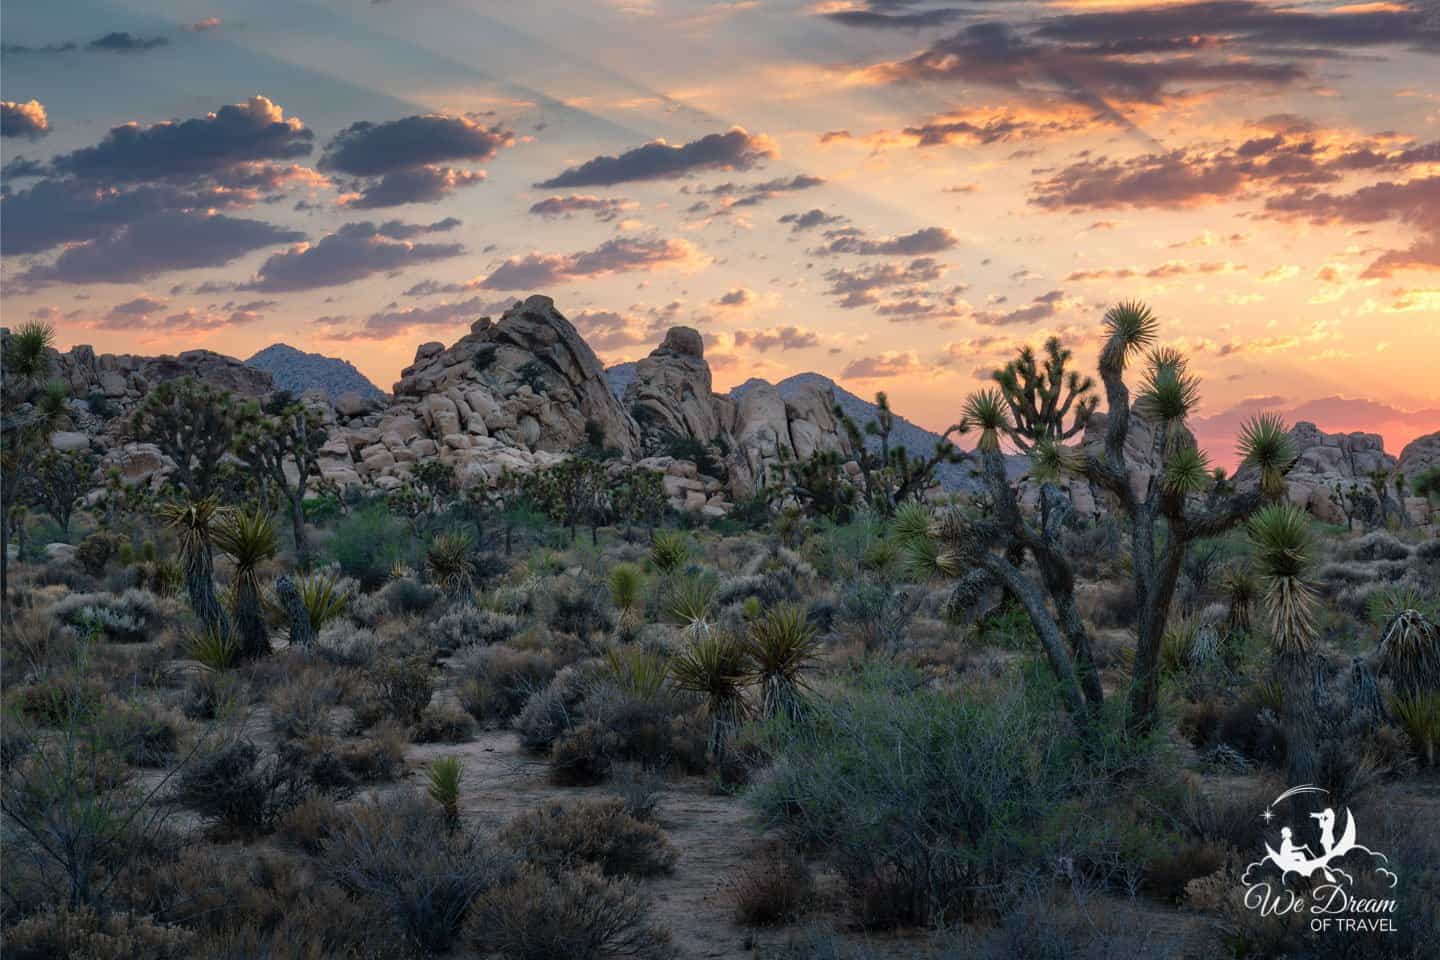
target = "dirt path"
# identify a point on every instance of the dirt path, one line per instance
(710, 831)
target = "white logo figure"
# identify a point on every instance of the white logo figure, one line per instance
(1301, 859)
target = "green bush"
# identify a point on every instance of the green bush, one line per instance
(560, 837)
(367, 544)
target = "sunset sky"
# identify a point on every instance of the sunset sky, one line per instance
(895, 193)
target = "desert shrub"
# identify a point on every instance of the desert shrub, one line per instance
(83, 933)
(310, 823)
(772, 890)
(639, 790)
(559, 837)
(301, 707)
(581, 915)
(406, 595)
(237, 790)
(922, 799)
(143, 738)
(401, 854)
(129, 617)
(443, 723)
(466, 625)
(496, 682)
(1375, 545)
(52, 701)
(583, 755)
(367, 544)
(94, 552)
(344, 645)
(1419, 716)
(378, 758)
(400, 688)
(577, 608)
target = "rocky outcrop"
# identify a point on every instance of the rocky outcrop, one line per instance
(529, 380)
(124, 378)
(670, 393)
(1330, 460)
(1419, 455)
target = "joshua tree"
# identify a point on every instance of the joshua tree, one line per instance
(448, 562)
(279, 434)
(193, 424)
(248, 538)
(1280, 536)
(1041, 398)
(30, 409)
(571, 492)
(639, 498)
(57, 481)
(819, 484)
(1164, 520)
(1176, 506)
(193, 521)
(892, 476)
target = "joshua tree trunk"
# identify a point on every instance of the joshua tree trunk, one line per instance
(301, 635)
(200, 586)
(297, 524)
(249, 622)
(1300, 721)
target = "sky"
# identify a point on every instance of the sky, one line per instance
(897, 194)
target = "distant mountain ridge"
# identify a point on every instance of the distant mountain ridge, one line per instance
(298, 371)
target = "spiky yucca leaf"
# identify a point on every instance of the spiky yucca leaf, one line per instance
(985, 411)
(912, 519)
(669, 551)
(1051, 460)
(1132, 325)
(193, 521)
(214, 649)
(781, 644)
(927, 557)
(638, 673)
(448, 562)
(324, 597)
(1168, 391)
(1265, 444)
(247, 537)
(1241, 589)
(626, 583)
(1187, 471)
(1280, 537)
(443, 776)
(714, 666)
(1409, 652)
(1419, 716)
(690, 602)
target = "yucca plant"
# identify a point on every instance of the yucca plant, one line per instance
(669, 551)
(215, 650)
(1168, 392)
(984, 410)
(1409, 651)
(1187, 471)
(627, 583)
(447, 561)
(1129, 326)
(1265, 444)
(1280, 537)
(639, 674)
(443, 776)
(249, 539)
(715, 666)
(193, 522)
(1419, 715)
(324, 597)
(1241, 589)
(690, 603)
(781, 645)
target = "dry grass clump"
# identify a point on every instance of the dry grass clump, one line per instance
(560, 836)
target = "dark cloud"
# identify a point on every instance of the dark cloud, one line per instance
(879, 366)
(123, 42)
(734, 150)
(995, 128)
(810, 219)
(418, 185)
(176, 240)
(754, 194)
(1182, 178)
(874, 19)
(367, 149)
(355, 251)
(400, 230)
(386, 324)
(1009, 57)
(782, 338)
(604, 209)
(240, 132)
(1414, 203)
(53, 212)
(857, 288)
(1041, 308)
(608, 330)
(739, 297)
(922, 241)
(26, 119)
(621, 255)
